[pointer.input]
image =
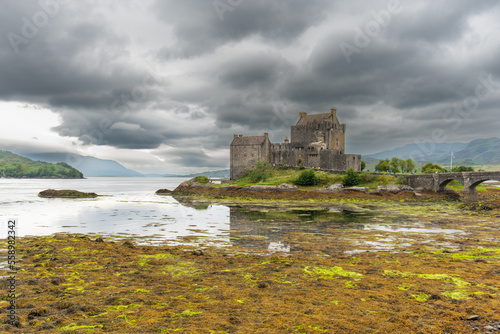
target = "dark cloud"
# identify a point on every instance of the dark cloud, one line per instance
(193, 157)
(199, 28)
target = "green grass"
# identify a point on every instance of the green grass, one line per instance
(279, 176)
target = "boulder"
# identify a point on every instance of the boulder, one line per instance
(287, 186)
(357, 189)
(335, 187)
(163, 192)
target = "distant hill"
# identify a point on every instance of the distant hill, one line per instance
(90, 166)
(422, 152)
(481, 151)
(16, 166)
(477, 152)
(213, 174)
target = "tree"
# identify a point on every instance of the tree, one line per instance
(462, 169)
(363, 165)
(382, 166)
(351, 178)
(307, 178)
(410, 165)
(432, 168)
(394, 165)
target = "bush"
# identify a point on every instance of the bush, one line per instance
(307, 178)
(367, 177)
(352, 178)
(401, 180)
(201, 179)
(261, 172)
(432, 168)
(462, 169)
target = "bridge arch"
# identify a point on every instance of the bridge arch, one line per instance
(471, 189)
(443, 183)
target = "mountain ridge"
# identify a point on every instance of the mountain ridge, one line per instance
(90, 166)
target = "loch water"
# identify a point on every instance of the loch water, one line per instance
(129, 207)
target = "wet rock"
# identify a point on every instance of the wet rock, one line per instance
(57, 280)
(128, 244)
(231, 187)
(163, 192)
(51, 193)
(36, 313)
(260, 188)
(357, 189)
(287, 186)
(473, 318)
(335, 187)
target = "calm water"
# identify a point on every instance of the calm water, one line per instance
(129, 207)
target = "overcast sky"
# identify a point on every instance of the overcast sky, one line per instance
(162, 86)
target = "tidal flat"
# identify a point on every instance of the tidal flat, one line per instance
(331, 267)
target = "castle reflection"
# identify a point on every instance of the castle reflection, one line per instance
(262, 227)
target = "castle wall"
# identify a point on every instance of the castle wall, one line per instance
(243, 158)
(337, 137)
(282, 155)
(353, 161)
(332, 160)
(309, 133)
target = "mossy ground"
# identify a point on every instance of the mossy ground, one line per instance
(69, 283)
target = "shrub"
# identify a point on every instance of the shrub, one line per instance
(352, 178)
(401, 180)
(307, 178)
(367, 177)
(432, 168)
(261, 172)
(363, 165)
(201, 179)
(462, 169)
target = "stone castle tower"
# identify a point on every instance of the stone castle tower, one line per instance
(316, 141)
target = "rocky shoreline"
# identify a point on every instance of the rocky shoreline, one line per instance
(286, 191)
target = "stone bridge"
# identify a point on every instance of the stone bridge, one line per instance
(438, 181)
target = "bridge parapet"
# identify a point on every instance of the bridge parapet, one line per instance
(438, 181)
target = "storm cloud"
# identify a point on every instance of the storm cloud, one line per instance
(179, 78)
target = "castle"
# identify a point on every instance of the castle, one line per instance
(316, 141)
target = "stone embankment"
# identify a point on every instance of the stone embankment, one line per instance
(290, 192)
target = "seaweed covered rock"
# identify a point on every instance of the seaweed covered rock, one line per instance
(51, 193)
(163, 192)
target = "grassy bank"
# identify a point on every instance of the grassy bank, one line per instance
(277, 176)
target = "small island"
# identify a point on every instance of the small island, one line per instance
(51, 193)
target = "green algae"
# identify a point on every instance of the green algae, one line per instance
(74, 327)
(187, 314)
(330, 272)
(422, 297)
(457, 294)
(474, 254)
(441, 277)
